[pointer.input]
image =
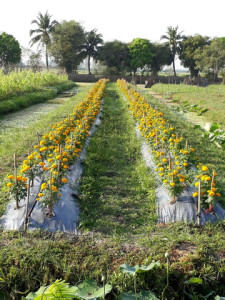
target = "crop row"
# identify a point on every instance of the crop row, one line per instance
(16, 83)
(176, 161)
(56, 151)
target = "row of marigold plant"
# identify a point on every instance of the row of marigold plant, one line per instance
(56, 151)
(177, 163)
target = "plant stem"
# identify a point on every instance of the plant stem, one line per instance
(135, 286)
(167, 277)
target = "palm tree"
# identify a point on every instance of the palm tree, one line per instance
(174, 38)
(90, 48)
(43, 32)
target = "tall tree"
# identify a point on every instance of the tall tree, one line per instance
(115, 55)
(43, 32)
(10, 51)
(141, 54)
(91, 46)
(162, 56)
(174, 38)
(187, 52)
(211, 59)
(67, 39)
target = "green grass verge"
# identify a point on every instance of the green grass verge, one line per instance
(19, 102)
(211, 98)
(115, 191)
(19, 140)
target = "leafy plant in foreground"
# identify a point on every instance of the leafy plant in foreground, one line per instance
(125, 268)
(61, 290)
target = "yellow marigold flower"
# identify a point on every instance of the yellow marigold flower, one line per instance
(42, 163)
(19, 178)
(58, 157)
(38, 199)
(205, 168)
(11, 177)
(36, 146)
(26, 161)
(175, 172)
(44, 168)
(54, 188)
(192, 149)
(30, 157)
(196, 183)
(50, 155)
(211, 193)
(43, 186)
(65, 159)
(185, 164)
(55, 173)
(54, 166)
(50, 160)
(40, 194)
(195, 194)
(207, 178)
(65, 180)
(172, 184)
(42, 142)
(9, 184)
(218, 194)
(65, 166)
(182, 180)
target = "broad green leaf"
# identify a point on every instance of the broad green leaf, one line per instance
(213, 127)
(143, 295)
(90, 290)
(125, 268)
(149, 267)
(40, 292)
(193, 280)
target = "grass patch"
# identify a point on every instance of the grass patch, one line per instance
(210, 99)
(117, 190)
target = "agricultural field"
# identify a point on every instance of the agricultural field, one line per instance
(121, 249)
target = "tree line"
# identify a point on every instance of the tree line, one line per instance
(69, 44)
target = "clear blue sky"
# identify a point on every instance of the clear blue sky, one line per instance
(118, 19)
